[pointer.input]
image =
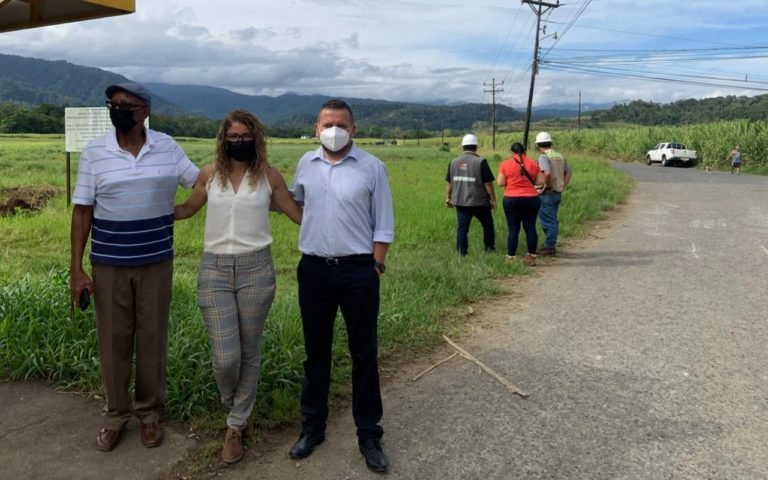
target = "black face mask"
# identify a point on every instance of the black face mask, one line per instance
(242, 150)
(122, 120)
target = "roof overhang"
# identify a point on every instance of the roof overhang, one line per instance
(20, 14)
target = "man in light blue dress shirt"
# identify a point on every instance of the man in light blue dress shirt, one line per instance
(346, 230)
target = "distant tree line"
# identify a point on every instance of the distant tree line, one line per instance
(184, 126)
(46, 118)
(411, 122)
(687, 111)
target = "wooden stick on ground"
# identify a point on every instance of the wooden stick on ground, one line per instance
(486, 368)
(434, 366)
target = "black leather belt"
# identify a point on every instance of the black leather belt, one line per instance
(360, 258)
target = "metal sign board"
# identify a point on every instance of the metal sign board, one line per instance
(83, 124)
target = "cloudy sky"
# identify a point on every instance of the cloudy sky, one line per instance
(427, 50)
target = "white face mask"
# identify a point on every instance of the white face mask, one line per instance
(334, 138)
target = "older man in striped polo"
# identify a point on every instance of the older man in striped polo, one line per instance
(124, 199)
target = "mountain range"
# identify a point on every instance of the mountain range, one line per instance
(32, 81)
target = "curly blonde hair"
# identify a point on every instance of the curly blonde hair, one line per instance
(257, 166)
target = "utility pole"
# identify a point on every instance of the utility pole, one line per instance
(442, 133)
(539, 9)
(578, 128)
(419, 131)
(493, 91)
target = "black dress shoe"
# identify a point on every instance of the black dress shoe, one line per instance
(374, 455)
(307, 442)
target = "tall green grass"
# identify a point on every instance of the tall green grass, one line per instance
(712, 142)
(424, 284)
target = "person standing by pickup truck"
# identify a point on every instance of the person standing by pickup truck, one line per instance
(735, 158)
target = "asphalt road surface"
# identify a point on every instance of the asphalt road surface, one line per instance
(643, 349)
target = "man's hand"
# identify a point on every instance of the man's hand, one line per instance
(493, 205)
(448, 203)
(77, 282)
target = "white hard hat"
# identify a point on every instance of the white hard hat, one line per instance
(469, 139)
(543, 137)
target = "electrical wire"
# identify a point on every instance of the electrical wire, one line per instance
(568, 26)
(645, 34)
(702, 77)
(638, 75)
(513, 85)
(504, 43)
(660, 58)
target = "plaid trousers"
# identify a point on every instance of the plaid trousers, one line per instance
(235, 293)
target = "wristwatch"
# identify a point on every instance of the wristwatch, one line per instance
(380, 267)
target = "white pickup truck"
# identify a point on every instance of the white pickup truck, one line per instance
(669, 153)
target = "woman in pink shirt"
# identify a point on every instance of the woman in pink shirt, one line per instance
(520, 176)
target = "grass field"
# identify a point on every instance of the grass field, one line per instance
(424, 283)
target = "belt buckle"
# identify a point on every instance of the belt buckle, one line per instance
(331, 261)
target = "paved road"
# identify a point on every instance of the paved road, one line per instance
(643, 350)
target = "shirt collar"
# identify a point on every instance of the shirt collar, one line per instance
(352, 154)
(113, 146)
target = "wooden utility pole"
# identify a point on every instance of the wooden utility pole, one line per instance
(539, 9)
(442, 133)
(493, 91)
(578, 129)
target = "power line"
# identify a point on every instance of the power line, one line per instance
(569, 25)
(625, 32)
(504, 43)
(608, 73)
(607, 65)
(702, 77)
(521, 73)
(679, 69)
(606, 62)
(684, 76)
(654, 59)
(649, 50)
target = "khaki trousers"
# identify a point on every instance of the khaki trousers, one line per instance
(132, 310)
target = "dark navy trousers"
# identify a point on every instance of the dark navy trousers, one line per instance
(325, 286)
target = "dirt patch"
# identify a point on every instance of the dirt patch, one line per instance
(26, 199)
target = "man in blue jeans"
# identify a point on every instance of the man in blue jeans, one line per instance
(469, 188)
(557, 175)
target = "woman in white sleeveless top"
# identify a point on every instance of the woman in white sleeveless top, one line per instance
(236, 282)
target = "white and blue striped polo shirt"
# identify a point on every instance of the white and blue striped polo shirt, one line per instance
(132, 198)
